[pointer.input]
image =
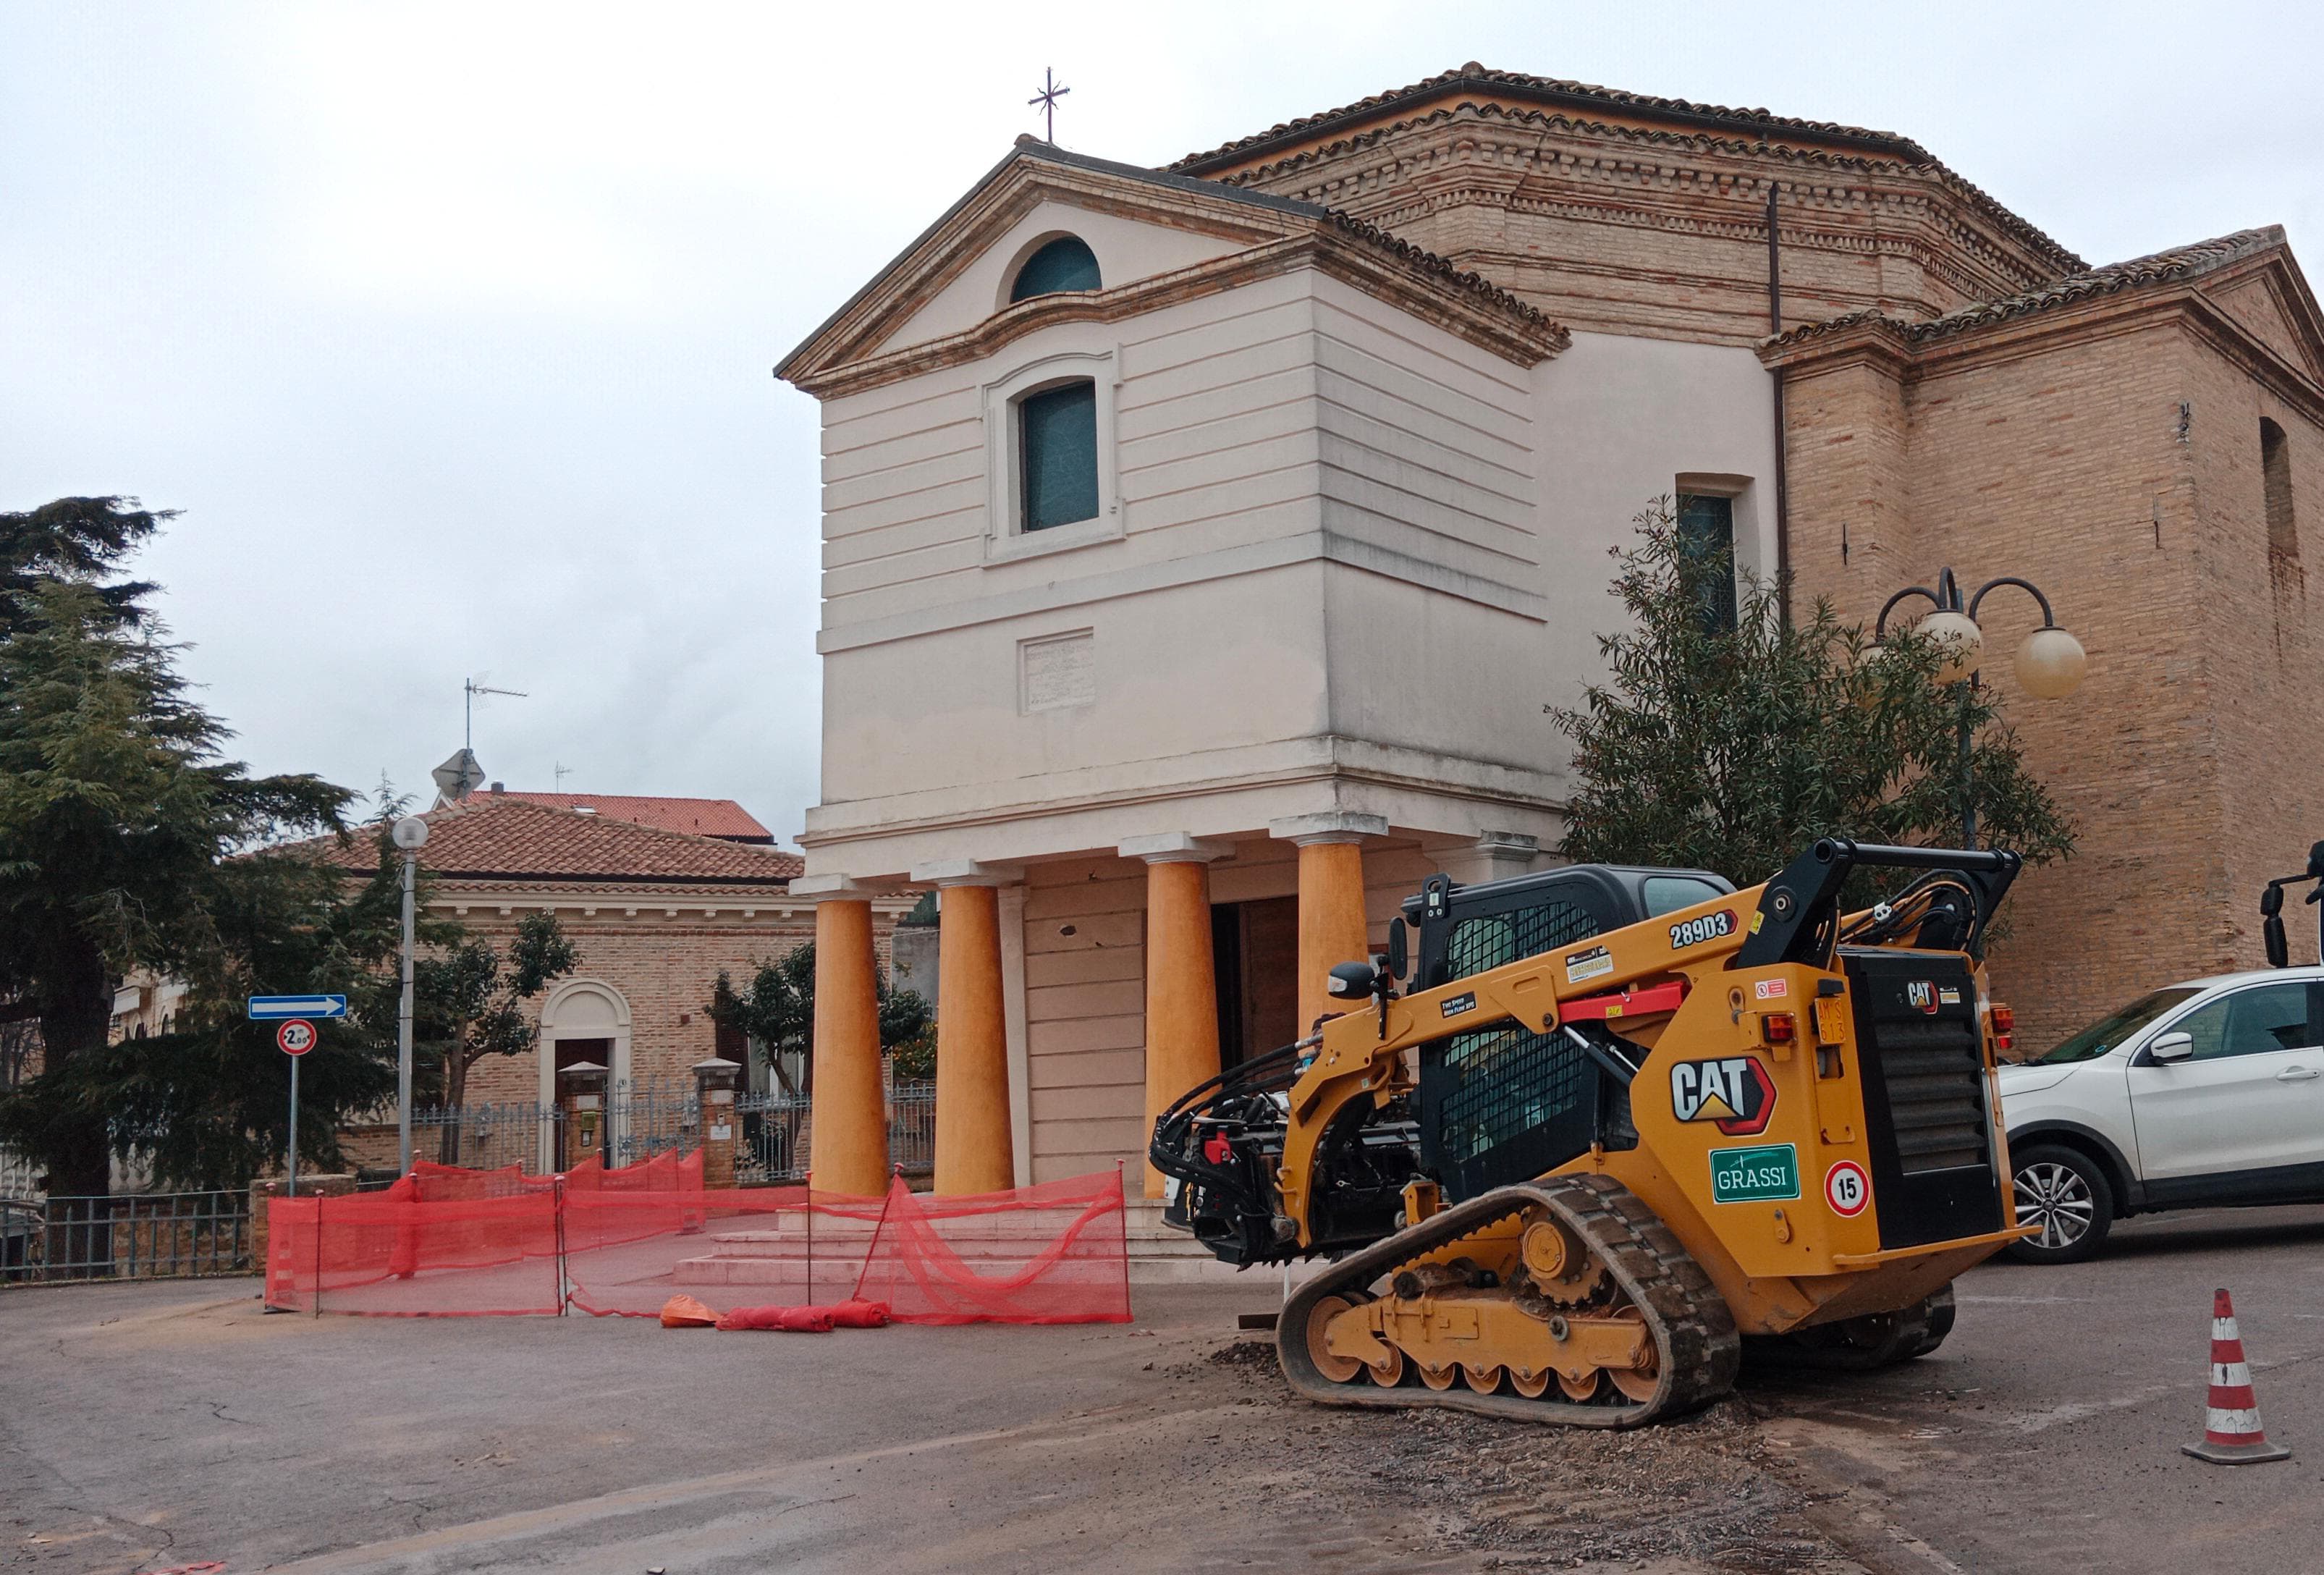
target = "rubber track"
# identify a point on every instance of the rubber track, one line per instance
(1692, 1330)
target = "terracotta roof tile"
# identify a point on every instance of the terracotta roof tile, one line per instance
(506, 837)
(2188, 262)
(702, 817)
(1579, 94)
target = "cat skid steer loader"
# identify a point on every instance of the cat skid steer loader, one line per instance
(1624, 1121)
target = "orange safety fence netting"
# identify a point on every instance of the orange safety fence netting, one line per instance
(1056, 1253)
(444, 1241)
(390, 1254)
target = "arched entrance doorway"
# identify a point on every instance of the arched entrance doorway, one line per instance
(583, 1019)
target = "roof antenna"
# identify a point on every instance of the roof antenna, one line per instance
(468, 709)
(1051, 91)
(461, 775)
(560, 772)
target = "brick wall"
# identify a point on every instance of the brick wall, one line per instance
(663, 955)
(2062, 455)
(1628, 230)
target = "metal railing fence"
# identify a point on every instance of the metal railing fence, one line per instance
(480, 1137)
(775, 1140)
(144, 1236)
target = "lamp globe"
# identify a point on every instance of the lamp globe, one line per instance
(2050, 663)
(1958, 637)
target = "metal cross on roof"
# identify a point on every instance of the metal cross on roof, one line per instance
(1051, 91)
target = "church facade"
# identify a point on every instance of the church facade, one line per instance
(1205, 549)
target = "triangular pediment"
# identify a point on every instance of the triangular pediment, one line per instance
(2270, 302)
(954, 274)
(1159, 238)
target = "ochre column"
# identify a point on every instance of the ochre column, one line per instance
(850, 1152)
(974, 1153)
(1332, 929)
(1181, 990)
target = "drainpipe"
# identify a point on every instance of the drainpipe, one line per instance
(1775, 325)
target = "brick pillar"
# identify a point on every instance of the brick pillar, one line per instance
(714, 1083)
(1182, 992)
(974, 1150)
(850, 1156)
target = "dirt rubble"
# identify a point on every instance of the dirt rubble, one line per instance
(1707, 1493)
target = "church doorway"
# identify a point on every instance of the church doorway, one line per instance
(1255, 949)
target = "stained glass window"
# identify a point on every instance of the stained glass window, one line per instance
(1706, 540)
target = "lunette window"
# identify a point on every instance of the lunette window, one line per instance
(1064, 264)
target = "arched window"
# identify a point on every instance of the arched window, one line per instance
(2275, 486)
(1064, 264)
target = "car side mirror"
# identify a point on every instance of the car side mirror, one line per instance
(1351, 981)
(1399, 949)
(2167, 1048)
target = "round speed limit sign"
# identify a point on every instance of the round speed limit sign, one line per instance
(297, 1036)
(1847, 1189)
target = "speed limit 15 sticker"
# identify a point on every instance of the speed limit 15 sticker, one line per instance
(1709, 927)
(1847, 1189)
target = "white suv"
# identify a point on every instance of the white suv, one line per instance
(2204, 1093)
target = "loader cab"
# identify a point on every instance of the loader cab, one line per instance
(1502, 1104)
(1470, 929)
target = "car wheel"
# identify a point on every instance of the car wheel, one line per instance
(2067, 1195)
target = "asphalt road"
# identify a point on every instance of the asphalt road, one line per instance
(2045, 1435)
(150, 1427)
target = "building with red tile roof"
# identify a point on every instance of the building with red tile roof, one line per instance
(656, 915)
(703, 817)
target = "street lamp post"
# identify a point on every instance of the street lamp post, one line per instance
(2050, 663)
(411, 834)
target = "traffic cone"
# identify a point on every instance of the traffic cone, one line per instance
(2232, 1435)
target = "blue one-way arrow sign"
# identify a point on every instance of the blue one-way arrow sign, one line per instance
(269, 1008)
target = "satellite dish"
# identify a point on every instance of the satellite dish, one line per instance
(410, 833)
(458, 777)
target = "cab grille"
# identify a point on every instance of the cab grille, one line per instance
(1934, 1077)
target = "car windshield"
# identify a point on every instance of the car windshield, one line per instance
(2110, 1031)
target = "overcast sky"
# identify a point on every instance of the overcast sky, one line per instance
(450, 329)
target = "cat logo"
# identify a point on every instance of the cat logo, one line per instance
(1736, 1092)
(1922, 993)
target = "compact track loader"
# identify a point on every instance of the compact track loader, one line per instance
(1626, 1121)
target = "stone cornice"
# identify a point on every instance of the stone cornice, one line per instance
(659, 905)
(1506, 327)
(1818, 169)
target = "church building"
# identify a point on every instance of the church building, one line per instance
(1207, 547)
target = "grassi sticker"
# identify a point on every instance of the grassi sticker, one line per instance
(1755, 1176)
(1735, 1091)
(1845, 1189)
(1589, 964)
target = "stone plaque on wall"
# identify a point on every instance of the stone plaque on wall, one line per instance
(1055, 673)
